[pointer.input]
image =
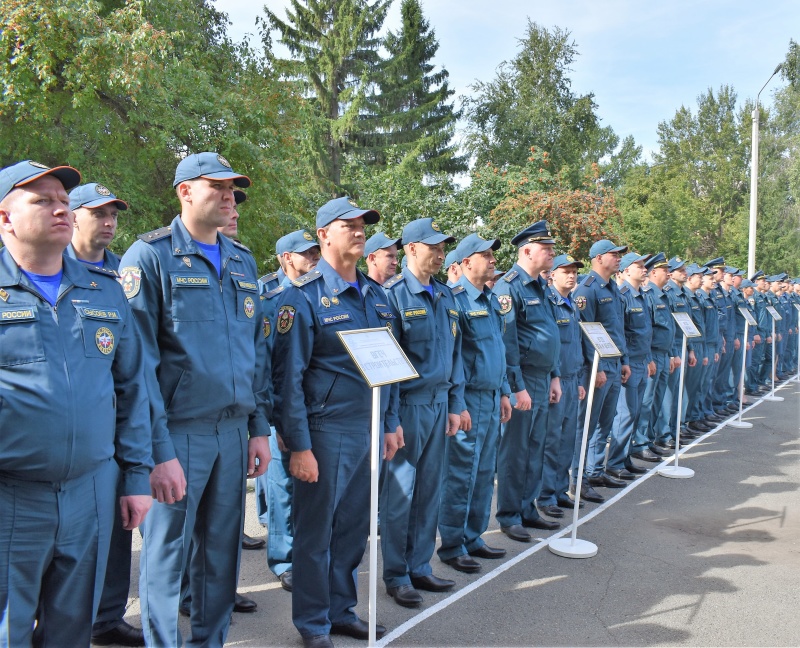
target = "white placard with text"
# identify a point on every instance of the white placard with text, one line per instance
(687, 325)
(378, 356)
(600, 339)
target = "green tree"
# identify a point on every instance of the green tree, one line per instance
(409, 110)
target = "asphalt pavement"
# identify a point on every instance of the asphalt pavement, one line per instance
(713, 560)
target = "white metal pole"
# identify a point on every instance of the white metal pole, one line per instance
(751, 243)
(740, 423)
(771, 396)
(675, 471)
(373, 514)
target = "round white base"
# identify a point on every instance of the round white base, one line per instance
(568, 549)
(742, 425)
(676, 472)
(773, 399)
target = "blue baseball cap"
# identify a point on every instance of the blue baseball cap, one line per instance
(716, 264)
(298, 241)
(675, 263)
(566, 260)
(536, 233)
(694, 269)
(27, 171)
(470, 245)
(239, 196)
(746, 283)
(451, 258)
(658, 260)
(631, 257)
(758, 274)
(344, 208)
(209, 165)
(425, 230)
(604, 246)
(731, 270)
(378, 241)
(93, 195)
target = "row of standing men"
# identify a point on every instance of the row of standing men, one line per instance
(511, 358)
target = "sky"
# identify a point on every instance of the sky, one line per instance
(641, 60)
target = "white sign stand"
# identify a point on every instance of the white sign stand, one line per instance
(604, 346)
(738, 423)
(776, 316)
(381, 361)
(675, 471)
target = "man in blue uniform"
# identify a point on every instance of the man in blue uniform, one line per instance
(562, 444)
(323, 412)
(598, 300)
(471, 456)
(70, 365)
(431, 407)
(452, 266)
(638, 339)
(380, 252)
(720, 389)
(532, 363)
(714, 346)
(189, 286)
(731, 282)
(693, 380)
(755, 378)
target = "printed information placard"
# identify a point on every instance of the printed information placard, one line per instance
(775, 314)
(684, 320)
(600, 339)
(378, 356)
(748, 316)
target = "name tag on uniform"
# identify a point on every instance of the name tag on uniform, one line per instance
(562, 322)
(606, 300)
(680, 304)
(247, 285)
(416, 312)
(478, 313)
(385, 314)
(660, 306)
(533, 302)
(17, 314)
(336, 318)
(191, 280)
(98, 313)
(636, 310)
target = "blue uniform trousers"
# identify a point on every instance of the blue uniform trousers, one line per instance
(629, 409)
(654, 393)
(754, 379)
(468, 476)
(209, 517)
(54, 541)
(521, 454)
(668, 415)
(601, 420)
(117, 584)
(707, 384)
(736, 374)
(331, 522)
(559, 446)
(411, 494)
(720, 394)
(279, 510)
(693, 384)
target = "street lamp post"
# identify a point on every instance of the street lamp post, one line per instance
(751, 248)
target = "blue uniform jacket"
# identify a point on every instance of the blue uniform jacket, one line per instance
(482, 350)
(697, 312)
(427, 329)
(711, 333)
(531, 335)
(638, 323)
(663, 322)
(678, 303)
(317, 385)
(570, 360)
(203, 335)
(72, 390)
(599, 300)
(110, 260)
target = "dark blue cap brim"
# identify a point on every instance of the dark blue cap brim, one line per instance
(238, 180)
(435, 239)
(92, 204)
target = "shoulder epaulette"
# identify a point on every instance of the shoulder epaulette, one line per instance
(394, 280)
(647, 288)
(625, 288)
(510, 276)
(668, 287)
(273, 292)
(241, 246)
(307, 278)
(588, 281)
(269, 277)
(108, 272)
(457, 289)
(155, 235)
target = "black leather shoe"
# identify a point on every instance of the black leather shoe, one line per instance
(567, 503)
(633, 469)
(516, 532)
(463, 563)
(551, 511)
(539, 523)
(689, 436)
(661, 452)
(623, 474)
(244, 604)
(488, 552)
(697, 426)
(252, 543)
(405, 595)
(714, 418)
(318, 641)
(665, 444)
(646, 455)
(123, 634)
(432, 583)
(589, 494)
(733, 408)
(358, 629)
(185, 609)
(286, 580)
(606, 481)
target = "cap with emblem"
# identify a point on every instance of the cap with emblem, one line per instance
(746, 283)
(731, 270)
(675, 263)
(716, 264)
(239, 196)
(604, 246)
(758, 274)
(566, 260)
(210, 166)
(658, 260)
(694, 269)
(473, 244)
(631, 258)
(22, 173)
(536, 233)
(425, 230)
(379, 241)
(298, 241)
(344, 208)
(93, 195)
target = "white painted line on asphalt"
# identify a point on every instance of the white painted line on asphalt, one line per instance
(457, 596)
